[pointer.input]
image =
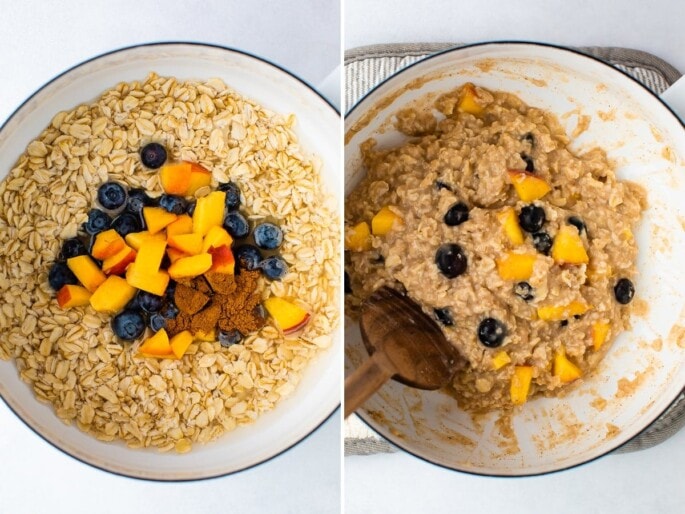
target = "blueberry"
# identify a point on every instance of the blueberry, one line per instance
(60, 275)
(97, 222)
(563, 323)
(153, 155)
(268, 236)
(247, 257)
(491, 332)
(439, 184)
(72, 248)
(174, 204)
(232, 195)
(150, 302)
(624, 290)
(134, 304)
(348, 287)
(451, 260)
(170, 290)
(126, 223)
(190, 209)
(531, 218)
(274, 267)
(169, 311)
(444, 316)
(111, 195)
(456, 215)
(229, 337)
(577, 222)
(524, 291)
(530, 165)
(157, 322)
(236, 225)
(137, 199)
(542, 242)
(128, 324)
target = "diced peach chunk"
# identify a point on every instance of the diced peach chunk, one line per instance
(106, 244)
(384, 221)
(175, 177)
(135, 239)
(358, 238)
(157, 346)
(216, 237)
(205, 337)
(516, 266)
(189, 267)
(117, 263)
(223, 260)
(157, 218)
(561, 312)
(112, 295)
(175, 254)
(209, 212)
(520, 384)
(600, 330)
(155, 283)
(289, 317)
(187, 243)
(468, 101)
(199, 177)
(182, 225)
(73, 296)
(180, 343)
(510, 224)
(528, 186)
(150, 255)
(86, 271)
(500, 359)
(564, 368)
(568, 247)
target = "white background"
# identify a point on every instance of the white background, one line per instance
(650, 481)
(41, 39)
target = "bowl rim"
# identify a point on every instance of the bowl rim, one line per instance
(125, 49)
(363, 415)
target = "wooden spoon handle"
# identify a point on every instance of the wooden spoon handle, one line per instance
(365, 381)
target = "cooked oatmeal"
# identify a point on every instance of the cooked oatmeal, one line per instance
(522, 250)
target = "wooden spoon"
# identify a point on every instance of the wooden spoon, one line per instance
(404, 344)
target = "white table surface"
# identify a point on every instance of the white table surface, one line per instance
(650, 481)
(39, 39)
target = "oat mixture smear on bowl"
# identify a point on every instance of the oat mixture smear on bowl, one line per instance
(520, 249)
(170, 263)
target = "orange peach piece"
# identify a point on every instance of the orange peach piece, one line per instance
(180, 343)
(106, 244)
(112, 295)
(600, 330)
(175, 254)
(561, 312)
(358, 238)
(510, 224)
(157, 345)
(564, 368)
(384, 221)
(73, 296)
(289, 317)
(155, 283)
(189, 267)
(150, 256)
(520, 384)
(468, 101)
(528, 186)
(500, 359)
(568, 247)
(216, 237)
(135, 239)
(209, 337)
(175, 177)
(187, 243)
(223, 260)
(209, 212)
(199, 177)
(182, 225)
(86, 271)
(157, 218)
(117, 263)
(516, 266)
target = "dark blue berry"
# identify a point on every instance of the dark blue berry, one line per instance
(624, 290)
(126, 223)
(153, 155)
(137, 199)
(274, 267)
(267, 236)
(157, 322)
(229, 337)
(150, 302)
(530, 165)
(247, 257)
(348, 286)
(444, 316)
(577, 222)
(531, 218)
(524, 291)
(190, 209)
(451, 260)
(134, 304)
(111, 195)
(97, 222)
(456, 215)
(236, 225)
(174, 204)
(170, 290)
(232, 195)
(542, 242)
(491, 332)
(72, 248)
(128, 324)
(169, 311)
(60, 275)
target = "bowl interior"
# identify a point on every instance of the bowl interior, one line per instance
(645, 369)
(318, 128)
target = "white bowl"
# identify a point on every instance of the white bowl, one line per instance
(636, 129)
(318, 128)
